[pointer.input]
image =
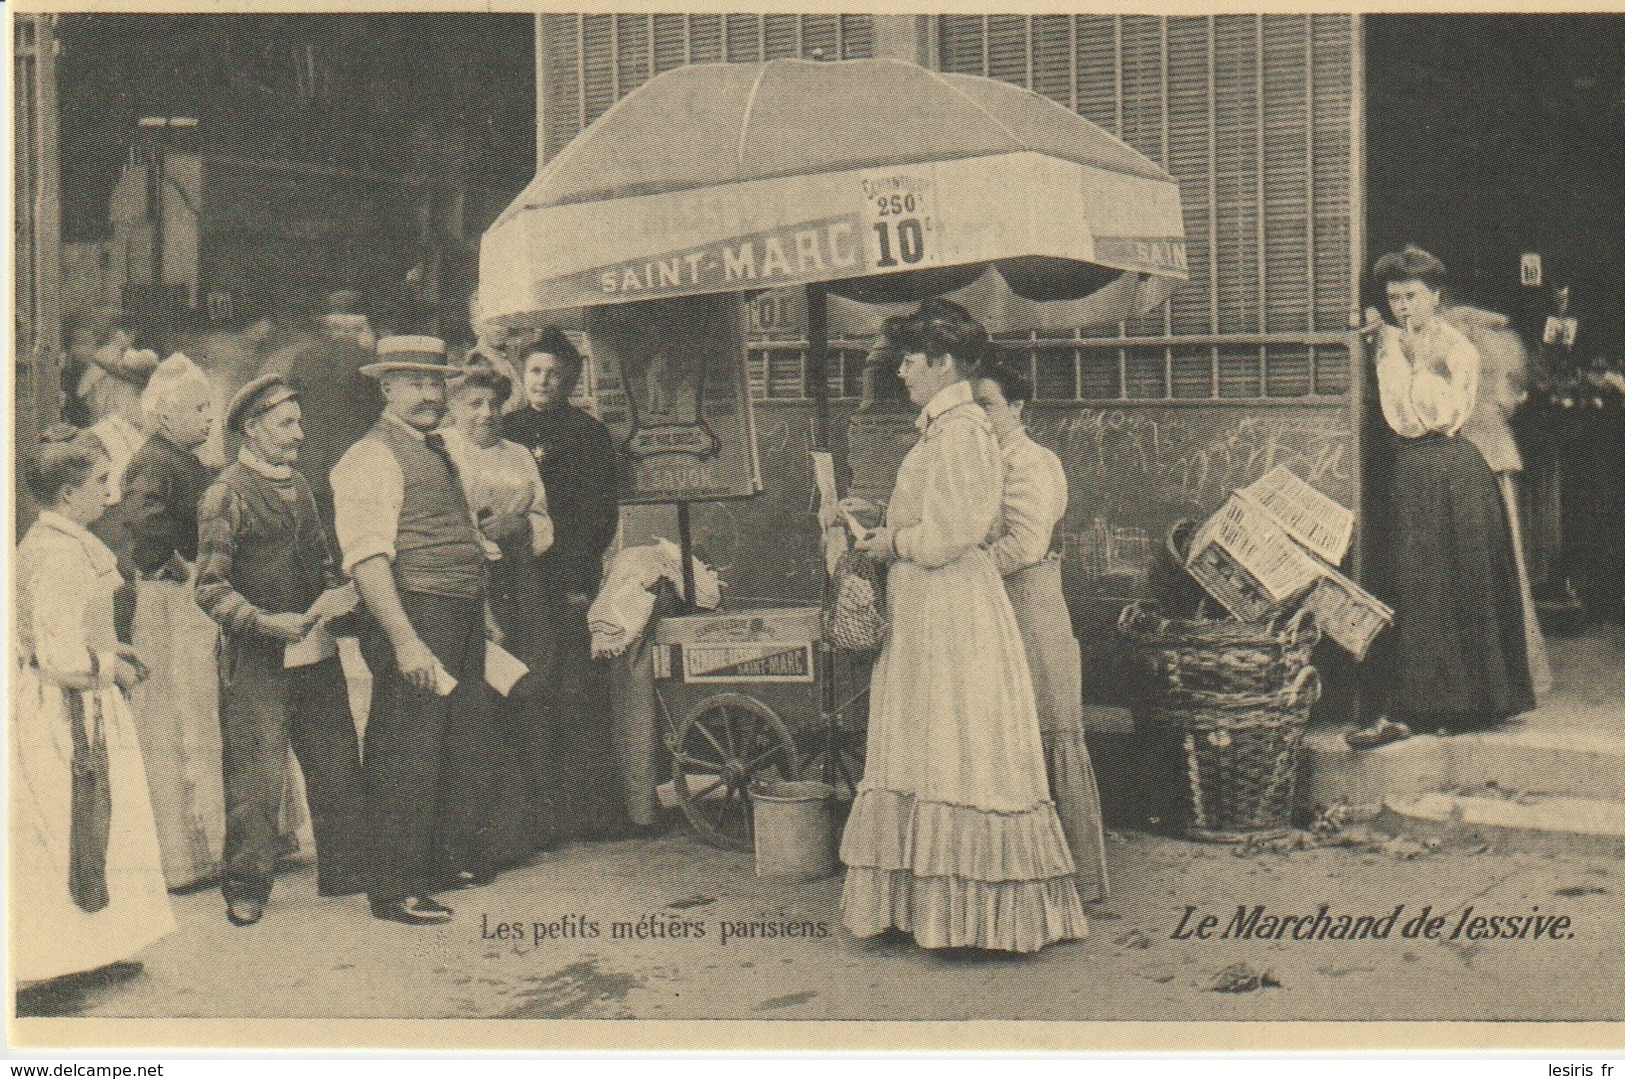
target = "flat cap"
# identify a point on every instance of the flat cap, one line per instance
(259, 396)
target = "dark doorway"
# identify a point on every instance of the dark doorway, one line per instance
(1491, 138)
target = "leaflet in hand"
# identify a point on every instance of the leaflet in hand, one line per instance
(502, 670)
(835, 541)
(314, 647)
(444, 683)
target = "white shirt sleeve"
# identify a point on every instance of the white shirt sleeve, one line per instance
(1445, 390)
(963, 486)
(368, 490)
(1034, 499)
(541, 521)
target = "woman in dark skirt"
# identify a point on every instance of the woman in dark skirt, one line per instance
(1455, 659)
(506, 496)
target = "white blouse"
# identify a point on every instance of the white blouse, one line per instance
(946, 500)
(501, 480)
(66, 578)
(1034, 501)
(1427, 380)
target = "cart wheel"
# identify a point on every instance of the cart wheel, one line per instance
(725, 744)
(836, 758)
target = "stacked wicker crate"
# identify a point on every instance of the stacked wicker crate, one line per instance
(1227, 699)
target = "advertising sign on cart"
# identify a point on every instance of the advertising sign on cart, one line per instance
(671, 388)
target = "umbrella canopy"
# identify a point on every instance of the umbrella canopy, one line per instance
(886, 180)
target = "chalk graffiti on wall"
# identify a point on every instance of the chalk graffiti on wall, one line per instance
(1182, 451)
(1101, 551)
(1133, 472)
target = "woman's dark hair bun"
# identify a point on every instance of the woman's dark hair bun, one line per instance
(941, 327)
(64, 457)
(1009, 372)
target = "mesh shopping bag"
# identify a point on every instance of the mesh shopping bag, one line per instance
(855, 607)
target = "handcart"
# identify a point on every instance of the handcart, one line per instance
(896, 199)
(754, 696)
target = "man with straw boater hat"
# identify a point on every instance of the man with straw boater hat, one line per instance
(413, 549)
(263, 562)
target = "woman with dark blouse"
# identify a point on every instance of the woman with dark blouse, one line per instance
(576, 457)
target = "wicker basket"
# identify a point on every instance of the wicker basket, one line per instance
(1219, 655)
(1238, 755)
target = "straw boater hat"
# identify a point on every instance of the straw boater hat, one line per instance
(258, 398)
(410, 353)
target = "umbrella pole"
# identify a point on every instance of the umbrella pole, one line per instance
(818, 373)
(685, 541)
(818, 359)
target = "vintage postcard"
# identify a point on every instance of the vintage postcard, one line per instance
(810, 529)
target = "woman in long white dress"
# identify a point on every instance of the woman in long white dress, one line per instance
(953, 836)
(87, 881)
(1034, 502)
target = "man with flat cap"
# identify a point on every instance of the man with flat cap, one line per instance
(414, 551)
(263, 561)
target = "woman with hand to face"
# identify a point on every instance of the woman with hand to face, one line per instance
(87, 883)
(953, 836)
(1456, 658)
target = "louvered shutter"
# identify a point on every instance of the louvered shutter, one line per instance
(1253, 115)
(592, 61)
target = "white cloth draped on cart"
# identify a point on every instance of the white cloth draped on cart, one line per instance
(953, 836)
(621, 611)
(64, 613)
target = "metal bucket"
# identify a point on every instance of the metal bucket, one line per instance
(795, 835)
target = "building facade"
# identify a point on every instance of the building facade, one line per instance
(1251, 364)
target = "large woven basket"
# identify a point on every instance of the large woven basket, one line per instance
(1219, 655)
(1237, 755)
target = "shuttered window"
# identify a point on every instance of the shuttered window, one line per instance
(592, 61)
(1252, 114)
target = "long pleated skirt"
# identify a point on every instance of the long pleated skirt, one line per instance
(1056, 663)
(953, 836)
(1457, 651)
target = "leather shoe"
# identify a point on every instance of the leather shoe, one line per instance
(412, 910)
(464, 879)
(242, 912)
